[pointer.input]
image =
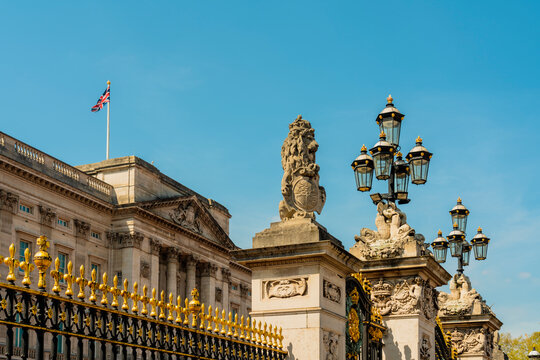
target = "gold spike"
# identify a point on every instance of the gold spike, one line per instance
(69, 279)
(170, 307)
(162, 305)
(104, 288)
(280, 338)
(259, 332)
(202, 317)
(216, 321)
(135, 298)
(153, 303)
(248, 329)
(27, 267)
(265, 333)
(43, 260)
(93, 285)
(229, 325)
(185, 311)
(242, 327)
(12, 263)
(144, 300)
(223, 322)
(57, 276)
(115, 292)
(209, 318)
(125, 296)
(178, 309)
(235, 325)
(81, 281)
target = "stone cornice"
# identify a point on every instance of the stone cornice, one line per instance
(240, 267)
(132, 210)
(471, 321)
(406, 266)
(38, 178)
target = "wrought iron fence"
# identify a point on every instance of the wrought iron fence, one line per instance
(98, 321)
(443, 343)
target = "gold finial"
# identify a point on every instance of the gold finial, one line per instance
(248, 329)
(12, 263)
(229, 325)
(419, 139)
(114, 291)
(43, 260)
(479, 229)
(242, 328)
(209, 318)
(153, 303)
(135, 298)
(81, 281)
(389, 99)
(178, 309)
(57, 276)
(194, 306)
(223, 322)
(439, 233)
(144, 300)
(364, 148)
(185, 311)
(280, 338)
(162, 305)
(27, 267)
(104, 288)
(216, 321)
(235, 325)
(202, 317)
(108, 82)
(459, 200)
(93, 285)
(264, 333)
(455, 226)
(382, 135)
(125, 296)
(170, 307)
(69, 279)
(399, 154)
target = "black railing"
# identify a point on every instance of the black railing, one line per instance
(443, 344)
(105, 322)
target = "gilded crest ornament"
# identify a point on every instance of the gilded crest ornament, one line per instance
(354, 325)
(355, 296)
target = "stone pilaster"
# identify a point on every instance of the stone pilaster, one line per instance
(191, 273)
(172, 270)
(208, 284)
(155, 249)
(225, 286)
(127, 246)
(8, 207)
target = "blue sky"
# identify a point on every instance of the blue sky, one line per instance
(206, 90)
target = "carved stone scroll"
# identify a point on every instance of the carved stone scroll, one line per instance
(285, 288)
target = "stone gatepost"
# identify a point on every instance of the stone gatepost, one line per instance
(298, 269)
(404, 276)
(472, 325)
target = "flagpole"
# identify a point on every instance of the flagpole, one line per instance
(108, 121)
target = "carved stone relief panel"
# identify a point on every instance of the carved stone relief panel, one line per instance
(187, 215)
(425, 347)
(47, 215)
(81, 227)
(219, 294)
(331, 291)
(8, 201)
(285, 288)
(331, 342)
(475, 340)
(145, 269)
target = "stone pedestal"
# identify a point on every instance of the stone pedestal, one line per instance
(292, 262)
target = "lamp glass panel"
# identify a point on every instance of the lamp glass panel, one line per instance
(419, 171)
(466, 258)
(391, 128)
(440, 254)
(460, 220)
(480, 250)
(401, 182)
(382, 165)
(364, 178)
(456, 248)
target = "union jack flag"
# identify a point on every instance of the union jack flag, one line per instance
(103, 99)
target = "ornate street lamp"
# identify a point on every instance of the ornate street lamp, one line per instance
(459, 215)
(440, 247)
(397, 172)
(418, 159)
(480, 244)
(459, 246)
(383, 156)
(389, 121)
(534, 355)
(363, 170)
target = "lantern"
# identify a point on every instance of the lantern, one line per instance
(418, 159)
(363, 170)
(389, 121)
(401, 177)
(480, 245)
(440, 247)
(459, 215)
(466, 253)
(456, 238)
(383, 156)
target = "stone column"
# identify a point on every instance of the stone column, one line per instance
(244, 299)
(191, 281)
(82, 228)
(181, 278)
(172, 270)
(155, 249)
(226, 280)
(208, 285)
(8, 207)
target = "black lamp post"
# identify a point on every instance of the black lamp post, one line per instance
(459, 246)
(381, 161)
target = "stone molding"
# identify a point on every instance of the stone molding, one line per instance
(209, 269)
(47, 215)
(285, 288)
(172, 254)
(121, 240)
(8, 201)
(155, 246)
(82, 228)
(472, 341)
(331, 291)
(408, 296)
(225, 275)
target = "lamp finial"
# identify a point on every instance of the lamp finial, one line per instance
(389, 99)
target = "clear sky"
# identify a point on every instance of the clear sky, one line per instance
(206, 90)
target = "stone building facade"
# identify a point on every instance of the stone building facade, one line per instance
(124, 217)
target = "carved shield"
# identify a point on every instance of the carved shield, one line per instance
(306, 194)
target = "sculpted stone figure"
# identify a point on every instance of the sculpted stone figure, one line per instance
(187, 215)
(476, 340)
(462, 300)
(302, 195)
(391, 236)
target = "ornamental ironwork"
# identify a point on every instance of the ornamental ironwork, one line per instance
(94, 320)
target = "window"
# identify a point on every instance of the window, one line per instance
(95, 235)
(95, 267)
(63, 259)
(119, 275)
(234, 286)
(23, 245)
(63, 222)
(234, 310)
(26, 208)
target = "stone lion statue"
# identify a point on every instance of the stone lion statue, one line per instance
(302, 195)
